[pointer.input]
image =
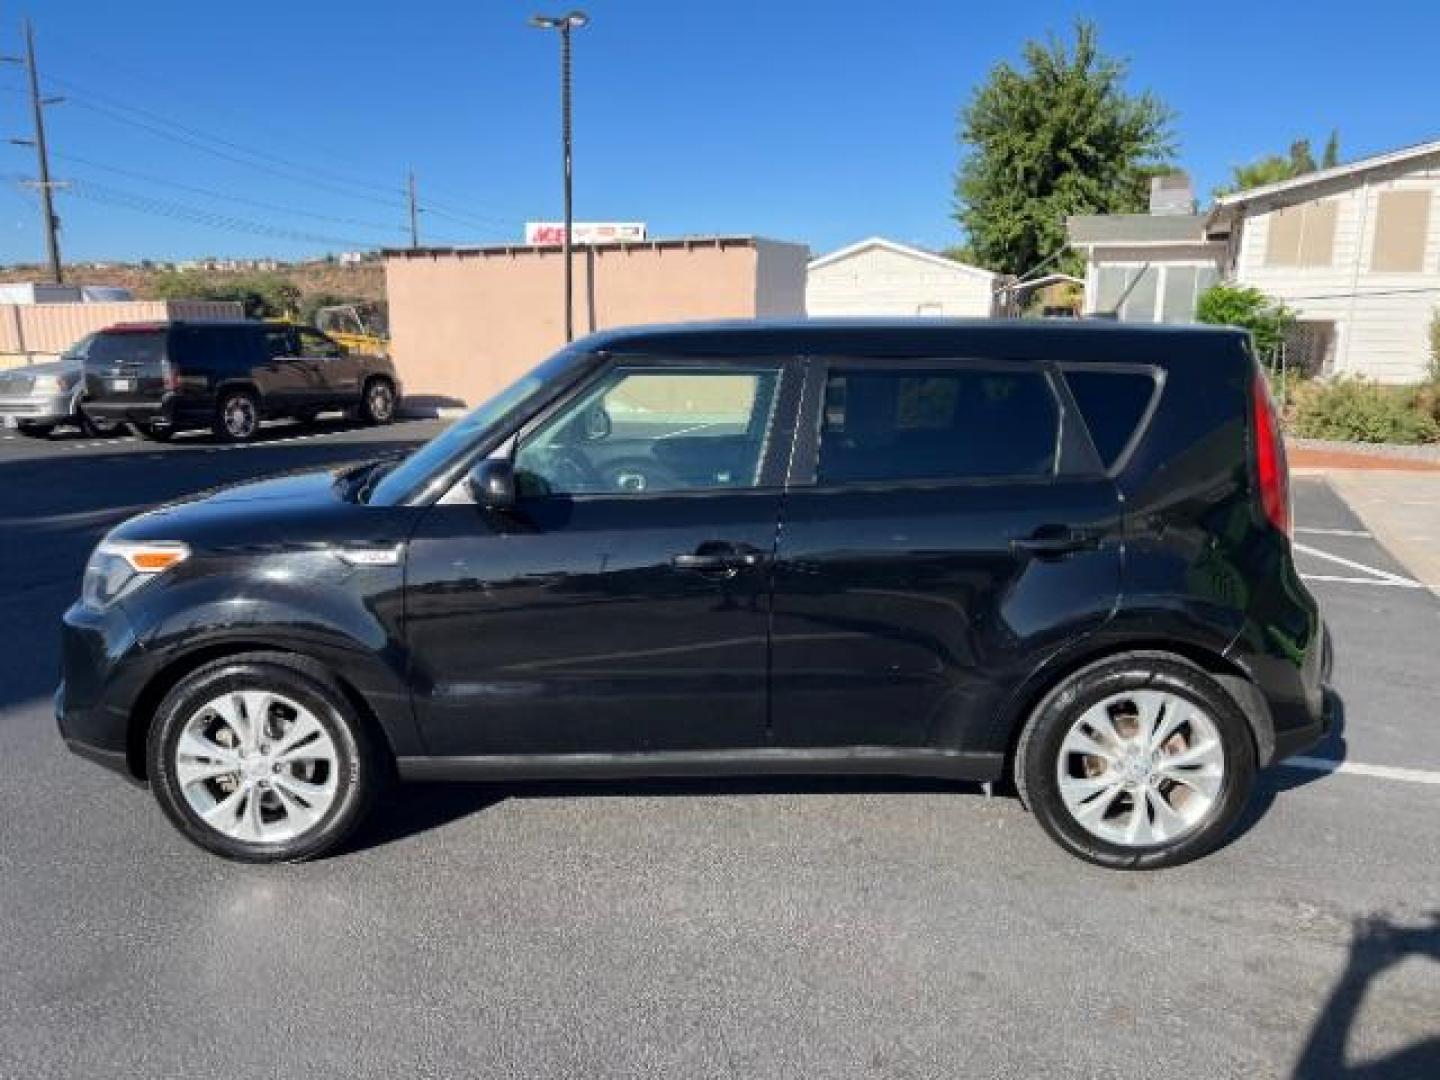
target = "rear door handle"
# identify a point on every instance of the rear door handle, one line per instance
(713, 558)
(1052, 544)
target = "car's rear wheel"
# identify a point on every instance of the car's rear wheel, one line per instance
(1139, 762)
(377, 402)
(88, 425)
(260, 758)
(237, 416)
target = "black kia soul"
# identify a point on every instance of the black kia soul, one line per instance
(1057, 554)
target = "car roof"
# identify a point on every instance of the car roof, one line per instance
(1068, 339)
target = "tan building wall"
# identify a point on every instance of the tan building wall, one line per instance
(466, 322)
(39, 332)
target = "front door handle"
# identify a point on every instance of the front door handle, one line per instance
(1054, 543)
(712, 557)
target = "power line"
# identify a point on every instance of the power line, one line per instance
(244, 200)
(328, 180)
(129, 200)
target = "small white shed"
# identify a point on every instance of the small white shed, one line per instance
(879, 277)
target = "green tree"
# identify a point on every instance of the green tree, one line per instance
(262, 295)
(1061, 135)
(1235, 305)
(1276, 167)
(1331, 157)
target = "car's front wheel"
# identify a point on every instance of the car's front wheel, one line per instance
(1138, 762)
(260, 758)
(377, 402)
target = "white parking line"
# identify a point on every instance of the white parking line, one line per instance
(1356, 768)
(1332, 532)
(1378, 576)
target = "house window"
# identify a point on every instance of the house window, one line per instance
(1302, 236)
(1402, 222)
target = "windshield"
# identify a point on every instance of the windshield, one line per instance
(414, 471)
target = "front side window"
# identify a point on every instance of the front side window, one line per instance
(313, 343)
(647, 430)
(937, 425)
(277, 342)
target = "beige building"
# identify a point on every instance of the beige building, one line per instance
(880, 278)
(34, 333)
(465, 322)
(1353, 250)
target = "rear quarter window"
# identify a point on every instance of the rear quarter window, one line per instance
(138, 347)
(1113, 405)
(938, 424)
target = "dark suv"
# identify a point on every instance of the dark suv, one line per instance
(228, 376)
(984, 551)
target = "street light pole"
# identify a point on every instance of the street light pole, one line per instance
(565, 23)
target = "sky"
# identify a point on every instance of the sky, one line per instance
(287, 129)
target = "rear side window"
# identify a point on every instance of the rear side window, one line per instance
(146, 348)
(947, 423)
(230, 349)
(1113, 405)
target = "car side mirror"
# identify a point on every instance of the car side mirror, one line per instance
(492, 484)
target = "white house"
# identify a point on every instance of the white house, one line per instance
(879, 277)
(1354, 250)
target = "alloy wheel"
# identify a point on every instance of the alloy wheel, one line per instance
(381, 400)
(240, 417)
(257, 766)
(1141, 767)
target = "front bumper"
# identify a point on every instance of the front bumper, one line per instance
(103, 668)
(36, 409)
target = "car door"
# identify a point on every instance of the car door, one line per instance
(332, 375)
(279, 372)
(622, 606)
(946, 528)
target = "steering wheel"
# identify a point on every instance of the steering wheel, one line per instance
(568, 471)
(637, 474)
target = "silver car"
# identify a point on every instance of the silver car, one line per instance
(38, 398)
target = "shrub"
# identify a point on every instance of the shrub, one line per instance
(1360, 411)
(1435, 347)
(1235, 305)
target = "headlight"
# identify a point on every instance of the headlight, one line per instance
(53, 384)
(117, 568)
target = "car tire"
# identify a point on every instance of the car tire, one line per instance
(1138, 762)
(98, 429)
(377, 402)
(35, 431)
(299, 786)
(237, 416)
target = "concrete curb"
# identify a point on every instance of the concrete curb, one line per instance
(1402, 512)
(1427, 452)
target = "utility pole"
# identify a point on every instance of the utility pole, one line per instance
(47, 198)
(414, 214)
(565, 23)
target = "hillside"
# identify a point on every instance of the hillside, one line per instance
(361, 281)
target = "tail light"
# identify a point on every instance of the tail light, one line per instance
(171, 377)
(1272, 472)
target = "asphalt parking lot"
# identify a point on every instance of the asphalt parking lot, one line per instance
(763, 929)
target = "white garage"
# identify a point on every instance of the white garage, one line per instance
(879, 277)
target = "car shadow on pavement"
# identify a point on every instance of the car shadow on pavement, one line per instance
(409, 809)
(1378, 944)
